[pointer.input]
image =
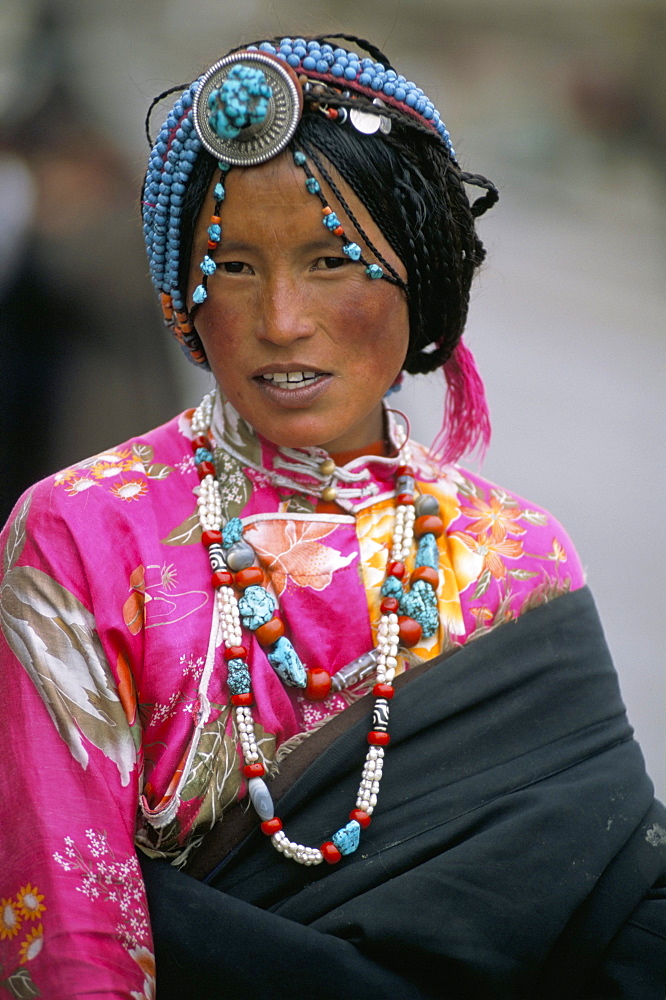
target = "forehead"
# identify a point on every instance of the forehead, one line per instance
(274, 194)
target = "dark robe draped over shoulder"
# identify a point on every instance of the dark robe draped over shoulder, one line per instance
(517, 850)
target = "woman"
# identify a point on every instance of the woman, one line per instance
(183, 614)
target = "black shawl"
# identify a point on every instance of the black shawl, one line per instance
(516, 851)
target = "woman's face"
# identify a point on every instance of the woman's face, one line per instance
(287, 308)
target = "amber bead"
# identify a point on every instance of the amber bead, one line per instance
(251, 576)
(319, 684)
(428, 524)
(269, 632)
(410, 631)
(221, 578)
(426, 573)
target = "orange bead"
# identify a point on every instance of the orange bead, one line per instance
(251, 576)
(378, 739)
(331, 853)
(269, 632)
(426, 573)
(271, 826)
(338, 231)
(214, 220)
(383, 691)
(319, 684)
(246, 698)
(389, 605)
(256, 770)
(361, 817)
(410, 631)
(428, 524)
(326, 210)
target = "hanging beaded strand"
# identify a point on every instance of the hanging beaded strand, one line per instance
(231, 561)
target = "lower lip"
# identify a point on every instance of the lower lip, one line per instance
(294, 398)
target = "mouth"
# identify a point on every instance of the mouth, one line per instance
(291, 380)
(297, 388)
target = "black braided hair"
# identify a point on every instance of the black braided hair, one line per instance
(416, 194)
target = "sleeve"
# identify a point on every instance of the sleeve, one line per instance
(73, 913)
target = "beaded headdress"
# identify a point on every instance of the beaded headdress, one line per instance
(244, 110)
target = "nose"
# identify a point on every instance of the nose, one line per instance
(286, 314)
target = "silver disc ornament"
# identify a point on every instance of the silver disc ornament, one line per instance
(259, 142)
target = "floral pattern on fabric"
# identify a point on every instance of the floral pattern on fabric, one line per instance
(292, 552)
(22, 930)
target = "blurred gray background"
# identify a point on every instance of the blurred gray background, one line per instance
(560, 103)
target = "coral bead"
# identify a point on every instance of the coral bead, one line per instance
(404, 470)
(396, 569)
(390, 605)
(222, 578)
(235, 653)
(361, 817)
(383, 691)
(410, 631)
(331, 853)
(378, 739)
(251, 576)
(271, 826)
(201, 441)
(254, 770)
(211, 538)
(319, 684)
(270, 632)
(406, 499)
(205, 469)
(426, 573)
(246, 698)
(428, 524)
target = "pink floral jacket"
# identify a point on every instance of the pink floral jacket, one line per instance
(115, 723)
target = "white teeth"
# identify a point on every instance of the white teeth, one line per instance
(290, 380)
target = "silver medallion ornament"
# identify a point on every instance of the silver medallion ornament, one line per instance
(247, 107)
(369, 123)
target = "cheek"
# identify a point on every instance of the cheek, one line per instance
(222, 328)
(376, 321)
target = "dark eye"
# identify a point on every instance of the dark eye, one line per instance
(330, 263)
(235, 267)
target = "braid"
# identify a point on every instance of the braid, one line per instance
(350, 214)
(372, 50)
(155, 101)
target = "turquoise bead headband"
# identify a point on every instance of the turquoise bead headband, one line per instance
(244, 110)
